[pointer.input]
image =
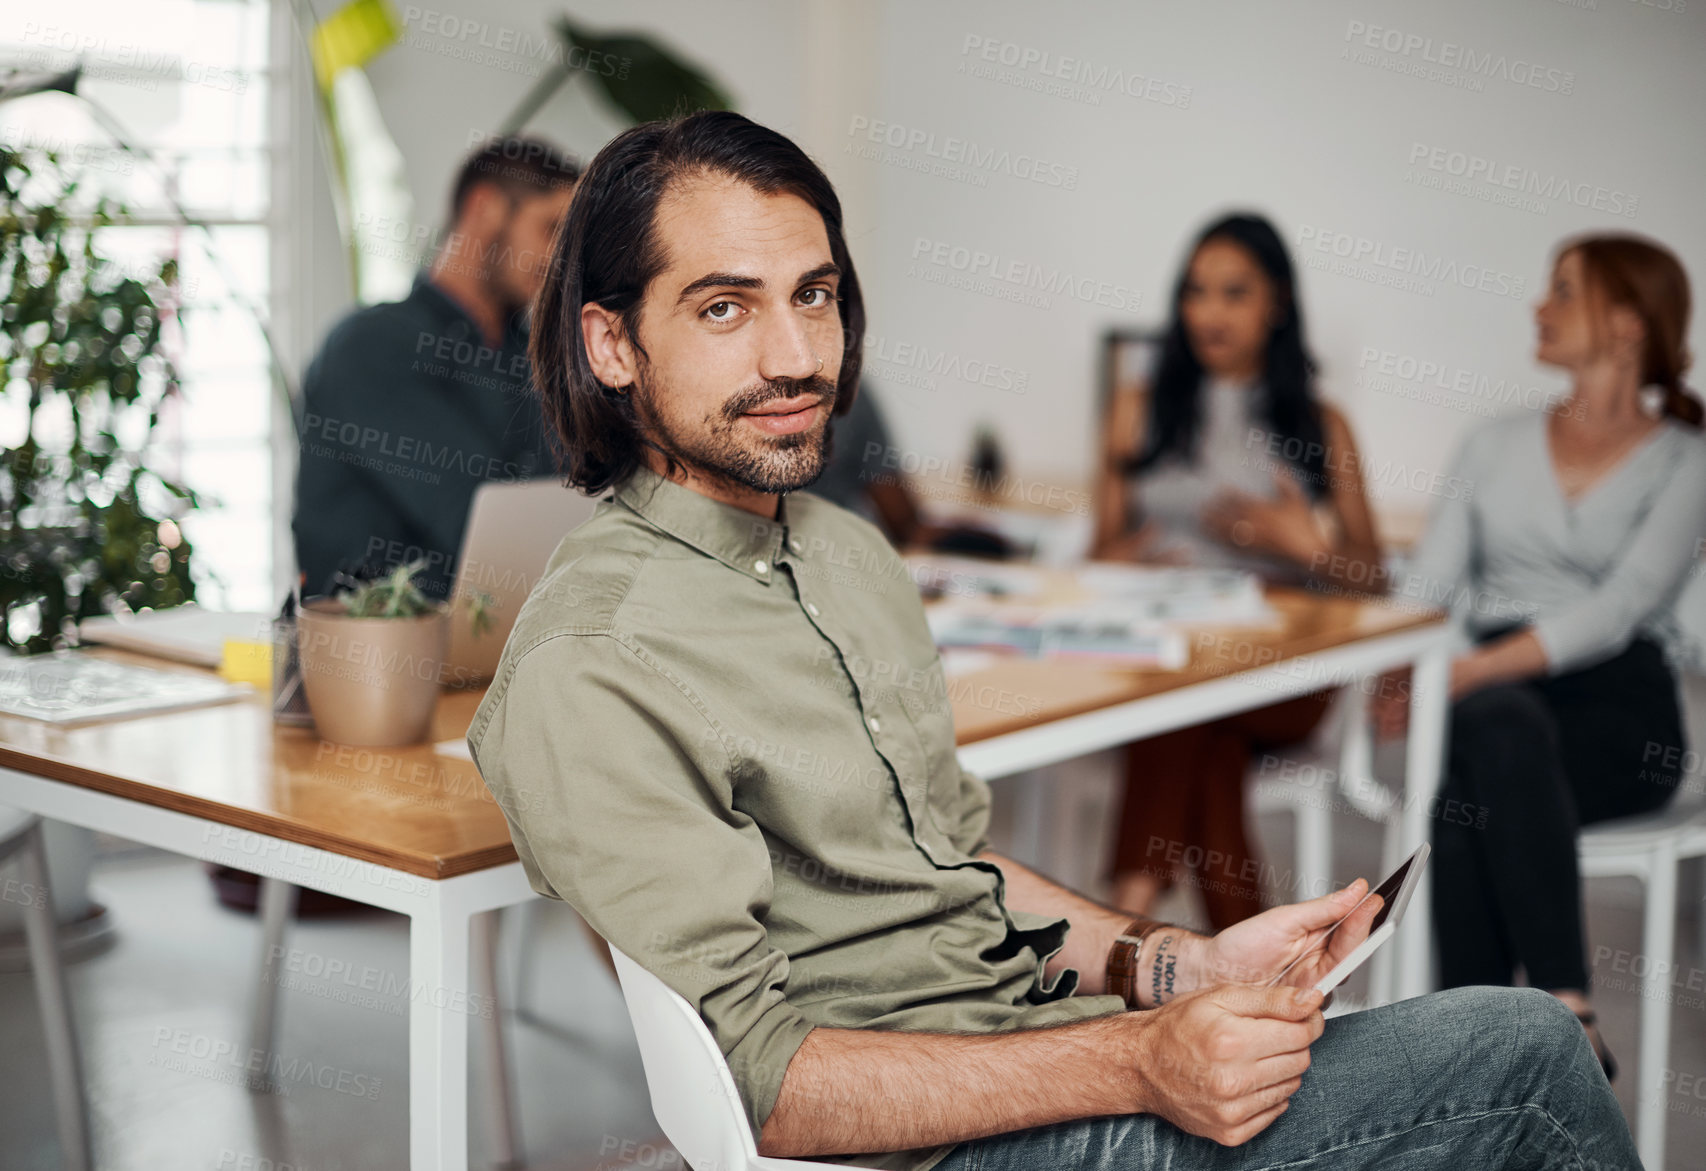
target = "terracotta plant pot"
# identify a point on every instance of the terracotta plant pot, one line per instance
(372, 682)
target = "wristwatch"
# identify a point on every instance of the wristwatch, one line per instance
(1122, 958)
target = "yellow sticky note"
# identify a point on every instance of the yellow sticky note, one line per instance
(247, 662)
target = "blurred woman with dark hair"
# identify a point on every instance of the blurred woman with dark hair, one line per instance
(1583, 521)
(1237, 465)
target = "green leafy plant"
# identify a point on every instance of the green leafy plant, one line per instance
(396, 596)
(637, 76)
(86, 527)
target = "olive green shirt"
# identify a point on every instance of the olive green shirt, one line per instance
(728, 743)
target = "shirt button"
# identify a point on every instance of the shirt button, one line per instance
(811, 608)
(794, 544)
(875, 726)
(759, 566)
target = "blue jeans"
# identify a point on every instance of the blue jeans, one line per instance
(1461, 1080)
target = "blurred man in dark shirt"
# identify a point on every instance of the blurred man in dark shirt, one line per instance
(411, 405)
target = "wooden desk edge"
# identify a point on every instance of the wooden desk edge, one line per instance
(424, 866)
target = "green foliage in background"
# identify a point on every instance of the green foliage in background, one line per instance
(85, 528)
(395, 595)
(640, 79)
(650, 82)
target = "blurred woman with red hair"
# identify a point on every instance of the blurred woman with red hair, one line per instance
(1583, 521)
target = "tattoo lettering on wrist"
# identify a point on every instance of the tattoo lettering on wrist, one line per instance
(1155, 971)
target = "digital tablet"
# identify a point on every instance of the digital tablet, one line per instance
(1396, 891)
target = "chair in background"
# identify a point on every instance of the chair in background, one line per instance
(1650, 847)
(21, 837)
(693, 1094)
(1335, 771)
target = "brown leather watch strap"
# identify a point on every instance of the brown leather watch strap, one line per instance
(1122, 958)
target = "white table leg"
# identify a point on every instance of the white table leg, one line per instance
(501, 1110)
(438, 1037)
(53, 996)
(277, 907)
(1658, 940)
(1424, 763)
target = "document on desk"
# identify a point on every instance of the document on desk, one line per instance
(1060, 632)
(186, 633)
(74, 688)
(1130, 615)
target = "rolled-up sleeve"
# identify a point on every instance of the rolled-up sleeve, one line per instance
(1647, 576)
(620, 800)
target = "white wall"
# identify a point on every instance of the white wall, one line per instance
(1280, 121)
(1243, 104)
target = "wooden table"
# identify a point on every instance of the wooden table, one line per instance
(405, 829)
(417, 832)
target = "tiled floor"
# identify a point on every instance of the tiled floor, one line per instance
(163, 1019)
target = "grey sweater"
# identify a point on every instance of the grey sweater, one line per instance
(1504, 545)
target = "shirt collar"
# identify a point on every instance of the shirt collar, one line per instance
(734, 536)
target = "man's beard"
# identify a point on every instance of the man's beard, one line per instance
(724, 448)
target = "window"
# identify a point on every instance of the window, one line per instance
(187, 80)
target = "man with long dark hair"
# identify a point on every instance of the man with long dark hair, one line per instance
(721, 731)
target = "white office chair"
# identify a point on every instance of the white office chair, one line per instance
(693, 1095)
(21, 837)
(1649, 847)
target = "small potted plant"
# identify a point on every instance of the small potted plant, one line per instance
(373, 659)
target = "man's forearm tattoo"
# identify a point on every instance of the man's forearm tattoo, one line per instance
(1163, 972)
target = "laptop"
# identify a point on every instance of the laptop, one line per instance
(513, 528)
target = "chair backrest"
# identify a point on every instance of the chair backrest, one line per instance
(693, 1094)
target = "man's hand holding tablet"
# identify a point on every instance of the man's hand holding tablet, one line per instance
(1293, 946)
(1256, 1008)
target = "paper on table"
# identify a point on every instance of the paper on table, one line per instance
(73, 688)
(187, 633)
